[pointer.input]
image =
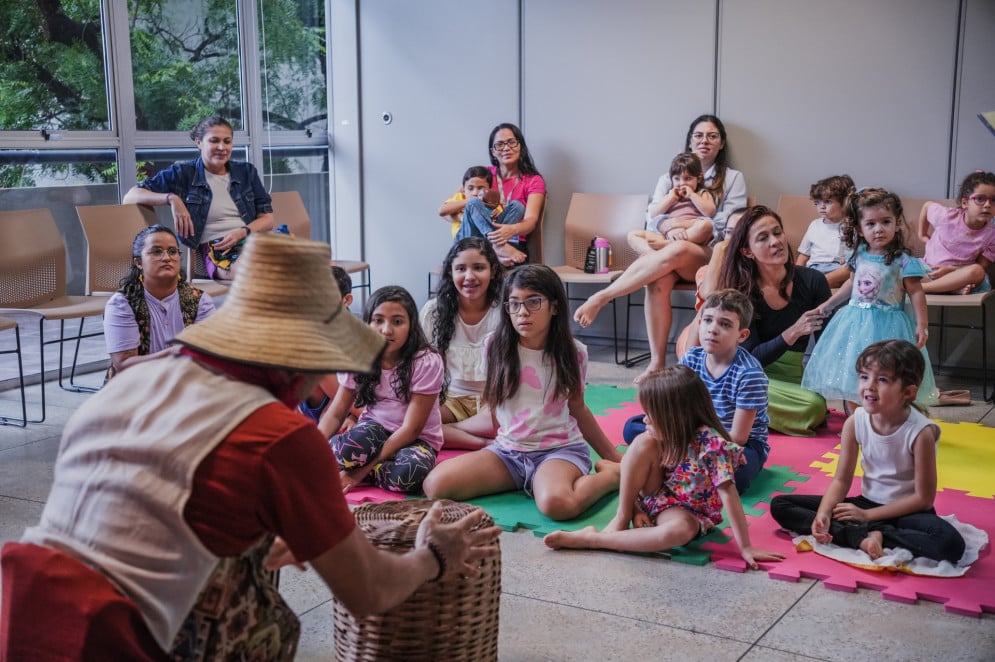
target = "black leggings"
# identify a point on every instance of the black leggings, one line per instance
(923, 533)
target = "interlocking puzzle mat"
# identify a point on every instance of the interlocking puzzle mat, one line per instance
(965, 451)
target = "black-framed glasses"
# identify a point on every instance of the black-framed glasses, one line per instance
(532, 304)
(982, 200)
(504, 144)
(712, 137)
(158, 253)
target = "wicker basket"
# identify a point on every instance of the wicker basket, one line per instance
(453, 619)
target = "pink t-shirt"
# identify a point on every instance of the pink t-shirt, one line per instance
(427, 375)
(519, 188)
(952, 243)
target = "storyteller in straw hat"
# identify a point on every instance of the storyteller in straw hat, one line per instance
(194, 456)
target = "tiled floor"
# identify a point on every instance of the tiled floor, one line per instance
(593, 605)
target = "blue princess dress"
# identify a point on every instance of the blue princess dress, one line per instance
(876, 311)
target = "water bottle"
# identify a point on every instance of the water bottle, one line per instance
(602, 249)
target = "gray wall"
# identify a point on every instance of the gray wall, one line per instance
(886, 90)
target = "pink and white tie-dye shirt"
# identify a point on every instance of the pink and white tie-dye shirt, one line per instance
(536, 418)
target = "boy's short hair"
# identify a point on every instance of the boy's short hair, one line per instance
(837, 187)
(479, 171)
(342, 279)
(731, 301)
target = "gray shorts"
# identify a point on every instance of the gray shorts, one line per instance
(523, 465)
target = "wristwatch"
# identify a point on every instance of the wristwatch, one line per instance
(248, 231)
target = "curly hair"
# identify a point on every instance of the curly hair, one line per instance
(741, 273)
(503, 362)
(447, 298)
(837, 187)
(415, 344)
(867, 198)
(973, 181)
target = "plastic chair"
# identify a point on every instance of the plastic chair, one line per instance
(5, 325)
(288, 207)
(33, 281)
(608, 216)
(110, 231)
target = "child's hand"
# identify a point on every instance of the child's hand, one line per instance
(847, 512)
(641, 520)
(922, 335)
(350, 479)
(751, 555)
(820, 529)
(680, 192)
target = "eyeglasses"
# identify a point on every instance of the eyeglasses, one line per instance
(982, 200)
(710, 137)
(502, 145)
(532, 304)
(159, 253)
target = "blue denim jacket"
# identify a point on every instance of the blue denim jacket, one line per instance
(186, 179)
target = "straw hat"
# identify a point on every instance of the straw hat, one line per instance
(284, 310)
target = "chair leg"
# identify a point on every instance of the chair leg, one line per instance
(23, 421)
(988, 397)
(73, 387)
(635, 360)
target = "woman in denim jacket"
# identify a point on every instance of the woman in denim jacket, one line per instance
(216, 202)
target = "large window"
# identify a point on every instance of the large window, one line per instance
(95, 95)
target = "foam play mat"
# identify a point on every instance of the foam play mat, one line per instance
(806, 465)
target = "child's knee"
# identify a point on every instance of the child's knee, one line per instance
(558, 505)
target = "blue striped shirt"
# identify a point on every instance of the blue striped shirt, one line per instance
(742, 386)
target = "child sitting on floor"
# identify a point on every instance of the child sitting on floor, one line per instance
(535, 391)
(676, 476)
(735, 380)
(960, 242)
(822, 247)
(315, 403)
(897, 448)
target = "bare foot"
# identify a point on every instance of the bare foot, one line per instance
(606, 465)
(582, 539)
(966, 289)
(651, 368)
(872, 544)
(589, 310)
(508, 255)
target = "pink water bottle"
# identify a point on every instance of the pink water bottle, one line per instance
(601, 251)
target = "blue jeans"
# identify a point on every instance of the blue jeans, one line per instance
(753, 452)
(477, 220)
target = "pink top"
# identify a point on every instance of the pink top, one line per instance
(427, 375)
(519, 188)
(954, 244)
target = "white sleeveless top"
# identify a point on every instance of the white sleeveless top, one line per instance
(124, 474)
(887, 461)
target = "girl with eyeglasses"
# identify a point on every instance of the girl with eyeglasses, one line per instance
(521, 191)
(960, 241)
(154, 302)
(535, 389)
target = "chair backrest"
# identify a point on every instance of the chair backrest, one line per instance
(110, 231)
(32, 258)
(288, 207)
(534, 241)
(796, 212)
(610, 216)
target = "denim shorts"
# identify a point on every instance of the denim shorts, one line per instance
(523, 465)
